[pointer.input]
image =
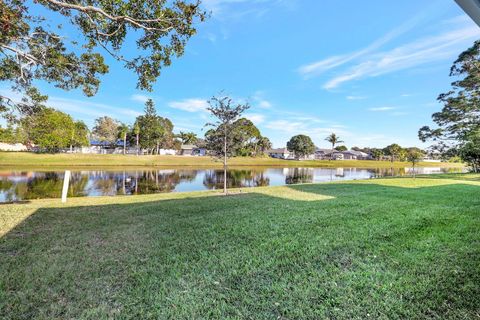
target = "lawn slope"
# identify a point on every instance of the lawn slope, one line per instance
(27, 159)
(386, 248)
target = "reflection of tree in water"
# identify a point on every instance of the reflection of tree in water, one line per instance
(155, 181)
(235, 179)
(299, 175)
(388, 172)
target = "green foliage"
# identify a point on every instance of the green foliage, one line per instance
(49, 129)
(106, 130)
(377, 154)
(301, 145)
(12, 134)
(394, 151)
(341, 148)
(470, 152)
(414, 156)
(222, 139)
(80, 134)
(333, 139)
(35, 47)
(188, 137)
(459, 118)
(154, 131)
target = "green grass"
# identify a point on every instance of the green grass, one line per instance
(389, 248)
(27, 159)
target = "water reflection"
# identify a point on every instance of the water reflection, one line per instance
(18, 185)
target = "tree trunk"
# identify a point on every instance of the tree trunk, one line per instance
(225, 164)
(137, 145)
(125, 144)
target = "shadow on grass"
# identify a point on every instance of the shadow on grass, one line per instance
(363, 250)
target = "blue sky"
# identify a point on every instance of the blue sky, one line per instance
(369, 71)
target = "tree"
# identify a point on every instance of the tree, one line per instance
(155, 132)
(470, 152)
(188, 137)
(263, 145)
(459, 118)
(414, 156)
(106, 130)
(393, 150)
(49, 129)
(34, 47)
(301, 145)
(333, 139)
(221, 140)
(341, 148)
(79, 137)
(377, 154)
(122, 134)
(136, 132)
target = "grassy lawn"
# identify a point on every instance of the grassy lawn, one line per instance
(26, 159)
(387, 248)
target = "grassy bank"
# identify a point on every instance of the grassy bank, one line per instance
(25, 159)
(387, 248)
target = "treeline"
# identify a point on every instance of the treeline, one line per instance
(50, 130)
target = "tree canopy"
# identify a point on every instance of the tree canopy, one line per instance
(34, 46)
(458, 123)
(106, 130)
(301, 145)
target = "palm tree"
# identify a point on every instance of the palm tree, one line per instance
(188, 137)
(333, 139)
(136, 131)
(122, 134)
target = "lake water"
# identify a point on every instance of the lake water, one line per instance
(16, 185)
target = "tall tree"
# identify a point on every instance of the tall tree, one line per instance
(34, 47)
(155, 132)
(221, 139)
(301, 145)
(458, 123)
(333, 139)
(122, 134)
(136, 132)
(106, 130)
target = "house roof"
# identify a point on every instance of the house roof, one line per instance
(472, 8)
(278, 150)
(188, 146)
(325, 151)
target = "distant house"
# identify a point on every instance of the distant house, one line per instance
(192, 150)
(324, 154)
(280, 153)
(350, 155)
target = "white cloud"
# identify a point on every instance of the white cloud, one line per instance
(318, 67)
(381, 109)
(190, 105)
(139, 98)
(418, 52)
(256, 118)
(356, 98)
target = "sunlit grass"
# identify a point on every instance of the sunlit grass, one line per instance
(388, 248)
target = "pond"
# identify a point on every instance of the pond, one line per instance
(16, 185)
